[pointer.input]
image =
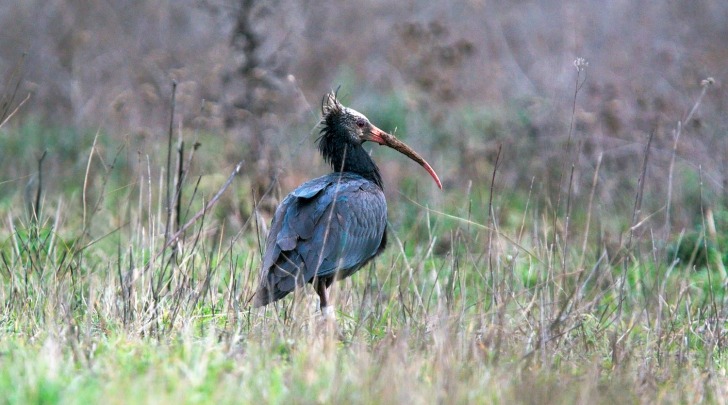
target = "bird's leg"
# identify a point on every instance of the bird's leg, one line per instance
(327, 311)
(328, 318)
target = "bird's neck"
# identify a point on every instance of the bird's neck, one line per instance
(350, 158)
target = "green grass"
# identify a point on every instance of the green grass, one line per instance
(462, 307)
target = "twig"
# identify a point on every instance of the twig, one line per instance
(85, 180)
(704, 84)
(15, 110)
(640, 192)
(490, 224)
(5, 102)
(589, 210)
(36, 207)
(581, 65)
(178, 188)
(635, 214)
(566, 222)
(173, 239)
(169, 162)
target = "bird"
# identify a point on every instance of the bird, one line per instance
(331, 226)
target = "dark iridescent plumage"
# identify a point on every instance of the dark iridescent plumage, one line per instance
(331, 226)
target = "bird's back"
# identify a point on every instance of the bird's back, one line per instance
(328, 227)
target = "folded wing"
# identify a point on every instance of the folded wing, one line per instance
(328, 227)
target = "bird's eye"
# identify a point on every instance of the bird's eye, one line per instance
(361, 122)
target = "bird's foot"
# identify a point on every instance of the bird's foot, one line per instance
(328, 314)
(328, 324)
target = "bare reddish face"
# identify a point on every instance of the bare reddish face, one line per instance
(383, 138)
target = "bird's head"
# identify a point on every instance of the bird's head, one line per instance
(345, 126)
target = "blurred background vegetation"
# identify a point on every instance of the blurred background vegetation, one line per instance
(454, 79)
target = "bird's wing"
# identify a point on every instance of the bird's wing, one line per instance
(348, 231)
(335, 222)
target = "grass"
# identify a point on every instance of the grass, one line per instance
(485, 294)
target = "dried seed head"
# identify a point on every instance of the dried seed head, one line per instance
(580, 64)
(707, 82)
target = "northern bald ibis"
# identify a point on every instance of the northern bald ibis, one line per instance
(331, 226)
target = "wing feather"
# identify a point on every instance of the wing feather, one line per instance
(328, 226)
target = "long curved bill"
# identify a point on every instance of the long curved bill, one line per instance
(383, 138)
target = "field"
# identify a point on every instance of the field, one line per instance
(576, 254)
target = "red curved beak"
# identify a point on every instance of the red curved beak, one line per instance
(377, 135)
